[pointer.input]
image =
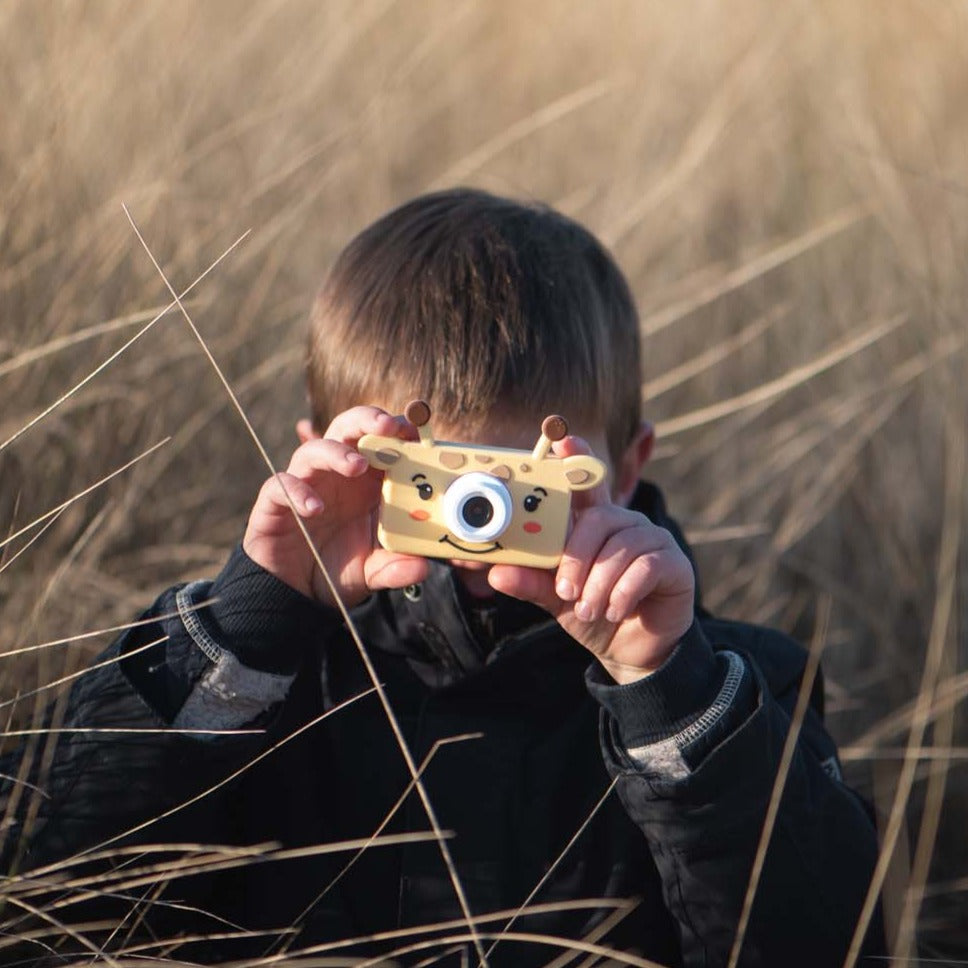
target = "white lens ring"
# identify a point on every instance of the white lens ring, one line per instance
(477, 507)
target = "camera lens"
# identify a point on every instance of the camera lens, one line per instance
(477, 511)
(477, 507)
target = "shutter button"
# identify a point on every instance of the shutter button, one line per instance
(413, 593)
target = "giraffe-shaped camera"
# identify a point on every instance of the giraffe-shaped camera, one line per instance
(495, 504)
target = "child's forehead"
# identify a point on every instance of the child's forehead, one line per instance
(519, 433)
(500, 429)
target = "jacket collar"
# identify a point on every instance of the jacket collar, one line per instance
(445, 635)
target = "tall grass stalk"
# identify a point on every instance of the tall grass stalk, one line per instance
(785, 190)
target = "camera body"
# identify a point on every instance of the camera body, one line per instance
(494, 504)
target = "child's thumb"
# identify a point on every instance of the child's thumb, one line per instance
(535, 585)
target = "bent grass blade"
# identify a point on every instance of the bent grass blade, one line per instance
(357, 640)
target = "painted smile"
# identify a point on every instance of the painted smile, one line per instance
(447, 539)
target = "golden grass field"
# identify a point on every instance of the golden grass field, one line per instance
(786, 186)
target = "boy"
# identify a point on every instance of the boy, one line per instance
(497, 314)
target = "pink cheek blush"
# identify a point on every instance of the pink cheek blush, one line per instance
(532, 527)
(420, 515)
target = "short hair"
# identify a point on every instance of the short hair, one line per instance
(484, 307)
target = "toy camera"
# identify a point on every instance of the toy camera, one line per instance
(496, 504)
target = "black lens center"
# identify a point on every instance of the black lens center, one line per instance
(477, 511)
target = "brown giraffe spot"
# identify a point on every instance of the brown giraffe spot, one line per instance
(578, 477)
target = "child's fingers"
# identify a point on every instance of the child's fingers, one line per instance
(664, 574)
(622, 557)
(593, 528)
(534, 585)
(349, 426)
(642, 577)
(389, 569)
(321, 456)
(273, 496)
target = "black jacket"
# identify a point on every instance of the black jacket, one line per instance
(660, 868)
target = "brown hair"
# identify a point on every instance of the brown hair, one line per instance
(483, 307)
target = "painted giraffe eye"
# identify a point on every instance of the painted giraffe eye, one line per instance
(424, 487)
(531, 502)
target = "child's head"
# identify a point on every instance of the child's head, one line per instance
(488, 309)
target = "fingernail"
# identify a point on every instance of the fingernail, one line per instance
(313, 504)
(565, 590)
(356, 459)
(612, 614)
(584, 611)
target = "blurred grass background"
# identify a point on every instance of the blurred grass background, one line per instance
(786, 186)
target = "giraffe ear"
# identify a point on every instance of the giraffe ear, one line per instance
(381, 452)
(583, 472)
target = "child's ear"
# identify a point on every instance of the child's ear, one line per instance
(632, 461)
(305, 431)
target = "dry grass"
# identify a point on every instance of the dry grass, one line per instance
(785, 185)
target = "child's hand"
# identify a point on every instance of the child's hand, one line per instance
(624, 589)
(337, 496)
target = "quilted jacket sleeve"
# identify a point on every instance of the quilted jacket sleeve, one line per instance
(697, 782)
(178, 703)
